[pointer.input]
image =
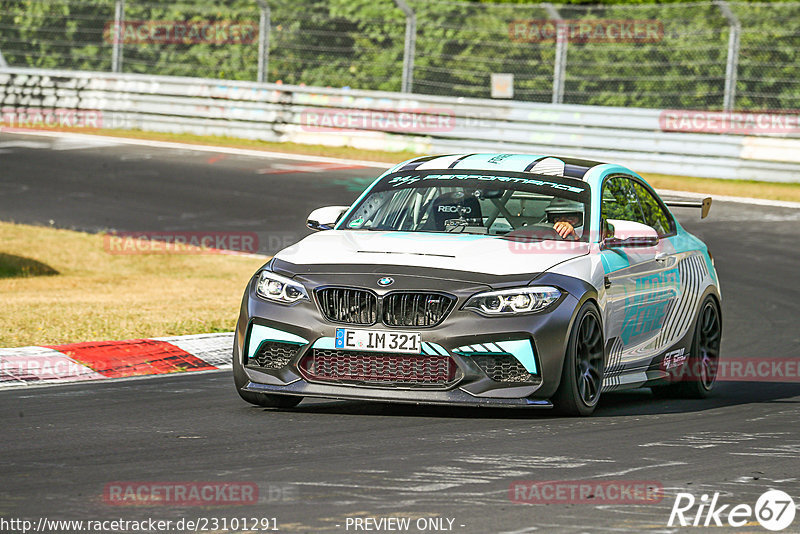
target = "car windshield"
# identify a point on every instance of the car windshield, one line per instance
(507, 204)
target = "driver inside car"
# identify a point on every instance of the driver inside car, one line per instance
(566, 216)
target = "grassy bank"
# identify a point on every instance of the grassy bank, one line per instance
(60, 286)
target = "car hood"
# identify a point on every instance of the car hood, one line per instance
(460, 252)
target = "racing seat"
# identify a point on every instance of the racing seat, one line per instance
(448, 207)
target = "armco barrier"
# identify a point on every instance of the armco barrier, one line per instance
(275, 112)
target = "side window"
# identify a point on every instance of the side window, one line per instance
(654, 214)
(620, 201)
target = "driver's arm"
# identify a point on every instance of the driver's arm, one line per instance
(564, 229)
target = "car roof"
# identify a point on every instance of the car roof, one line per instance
(533, 163)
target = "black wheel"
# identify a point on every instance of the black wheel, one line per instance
(584, 364)
(260, 399)
(697, 380)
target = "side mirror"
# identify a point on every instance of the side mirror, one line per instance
(629, 234)
(325, 218)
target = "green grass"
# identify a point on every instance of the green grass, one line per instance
(87, 294)
(12, 266)
(734, 188)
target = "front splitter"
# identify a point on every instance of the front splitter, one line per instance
(453, 397)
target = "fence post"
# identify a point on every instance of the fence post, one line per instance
(3, 64)
(409, 47)
(264, 23)
(732, 65)
(560, 64)
(116, 49)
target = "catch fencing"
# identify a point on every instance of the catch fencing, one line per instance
(702, 55)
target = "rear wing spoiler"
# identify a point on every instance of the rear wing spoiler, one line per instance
(703, 203)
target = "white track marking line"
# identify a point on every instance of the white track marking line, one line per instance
(202, 148)
(24, 144)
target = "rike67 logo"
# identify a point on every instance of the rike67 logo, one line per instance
(774, 510)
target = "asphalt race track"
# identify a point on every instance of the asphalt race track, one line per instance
(93, 186)
(327, 461)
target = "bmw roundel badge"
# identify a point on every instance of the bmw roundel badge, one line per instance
(385, 281)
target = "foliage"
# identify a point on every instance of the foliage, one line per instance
(360, 44)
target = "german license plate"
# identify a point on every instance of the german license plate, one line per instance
(379, 340)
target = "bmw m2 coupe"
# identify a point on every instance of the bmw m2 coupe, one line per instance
(504, 280)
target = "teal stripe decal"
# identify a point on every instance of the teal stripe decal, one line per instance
(441, 350)
(260, 333)
(325, 343)
(522, 351)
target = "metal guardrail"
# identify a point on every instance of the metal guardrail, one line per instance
(274, 112)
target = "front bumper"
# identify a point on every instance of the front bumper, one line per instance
(547, 332)
(449, 397)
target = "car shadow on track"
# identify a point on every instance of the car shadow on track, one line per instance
(629, 403)
(642, 402)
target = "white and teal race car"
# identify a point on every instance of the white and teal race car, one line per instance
(507, 280)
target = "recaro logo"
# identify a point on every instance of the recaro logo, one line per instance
(454, 209)
(774, 510)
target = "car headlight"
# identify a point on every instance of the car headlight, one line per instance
(278, 288)
(513, 301)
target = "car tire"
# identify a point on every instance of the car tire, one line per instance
(584, 365)
(260, 399)
(700, 373)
